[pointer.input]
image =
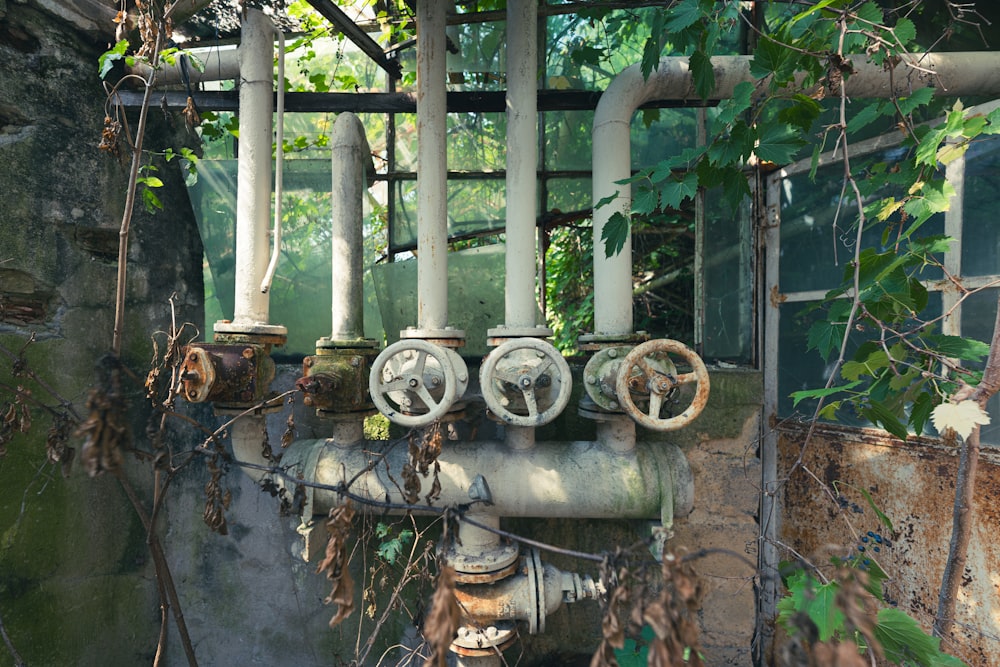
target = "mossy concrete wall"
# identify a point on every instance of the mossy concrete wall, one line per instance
(76, 586)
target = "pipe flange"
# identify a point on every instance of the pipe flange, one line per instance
(447, 337)
(362, 344)
(594, 342)
(230, 332)
(600, 375)
(479, 642)
(499, 335)
(483, 567)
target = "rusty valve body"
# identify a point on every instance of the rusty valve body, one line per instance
(337, 380)
(226, 373)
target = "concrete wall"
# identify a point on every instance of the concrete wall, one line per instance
(75, 579)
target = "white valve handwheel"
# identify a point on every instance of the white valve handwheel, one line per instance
(638, 372)
(527, 370)
(402, 381)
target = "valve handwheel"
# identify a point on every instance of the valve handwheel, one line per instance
(527, 370)
(647, 369)
(411, 375)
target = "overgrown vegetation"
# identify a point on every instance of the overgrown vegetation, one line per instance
(904, 375)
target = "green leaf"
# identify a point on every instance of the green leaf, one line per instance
(817, 601)
(645, 201)
(920, 412)
(675, 191)
(905, 32)
(825, 337)
(802, 113)
(993, 120)
(733, 149)
(702, 74)
(151, 201)
(878, 413)
(875, 508)
(868, 114)
(903, 640)
(731, 108)
(683, 15)
(606, 200)
(966, 349)
(769, 58)
(614, 234)
(805, 394)
(778, 144)
(150, 181)
(919, 98)
(107, 59)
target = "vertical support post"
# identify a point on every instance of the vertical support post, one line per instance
(522, 162)
(432, 174)
(253, 204)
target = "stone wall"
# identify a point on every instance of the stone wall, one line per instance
(76, 585)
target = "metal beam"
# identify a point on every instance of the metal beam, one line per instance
(458, 102)
(349, 28)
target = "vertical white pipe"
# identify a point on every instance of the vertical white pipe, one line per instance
(350, 157)
(522, 161)
(253, 203)
(432, 174)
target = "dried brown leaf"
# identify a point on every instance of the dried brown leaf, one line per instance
(443, 618)
(334, 562)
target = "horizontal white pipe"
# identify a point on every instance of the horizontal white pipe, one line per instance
(554, 479)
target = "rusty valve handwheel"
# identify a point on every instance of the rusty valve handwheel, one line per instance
(642, 373)
(412, 376)
(526, 382)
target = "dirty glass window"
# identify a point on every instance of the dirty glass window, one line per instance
(817, 244)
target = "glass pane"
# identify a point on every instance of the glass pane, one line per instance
(567, 140)
(818, 234)
(979, 313)
(304, 274)
(728, 276)
(475, 206)
(477, 142)
(800, 369)
(980, 230)
(569, 194)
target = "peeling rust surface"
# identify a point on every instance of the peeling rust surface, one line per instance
(913, 483)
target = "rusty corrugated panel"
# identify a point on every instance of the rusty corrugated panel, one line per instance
(824, 513)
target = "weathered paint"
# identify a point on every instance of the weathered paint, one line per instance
(913, 484)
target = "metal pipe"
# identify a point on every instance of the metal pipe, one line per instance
(351, 160)
(279, 166)
(554, 479)
(953, 73)
(432, 181)
(253, 204)
(522, 161)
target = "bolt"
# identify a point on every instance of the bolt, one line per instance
(463, 632)
(613, 353)
(307, 362)
(613, 405)
(193, 356)
(248, 353)
(192, 394)
(355, 361)
(307, 400)
(525, 382)
(413, 382)
(492, 632)
(591, 379)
